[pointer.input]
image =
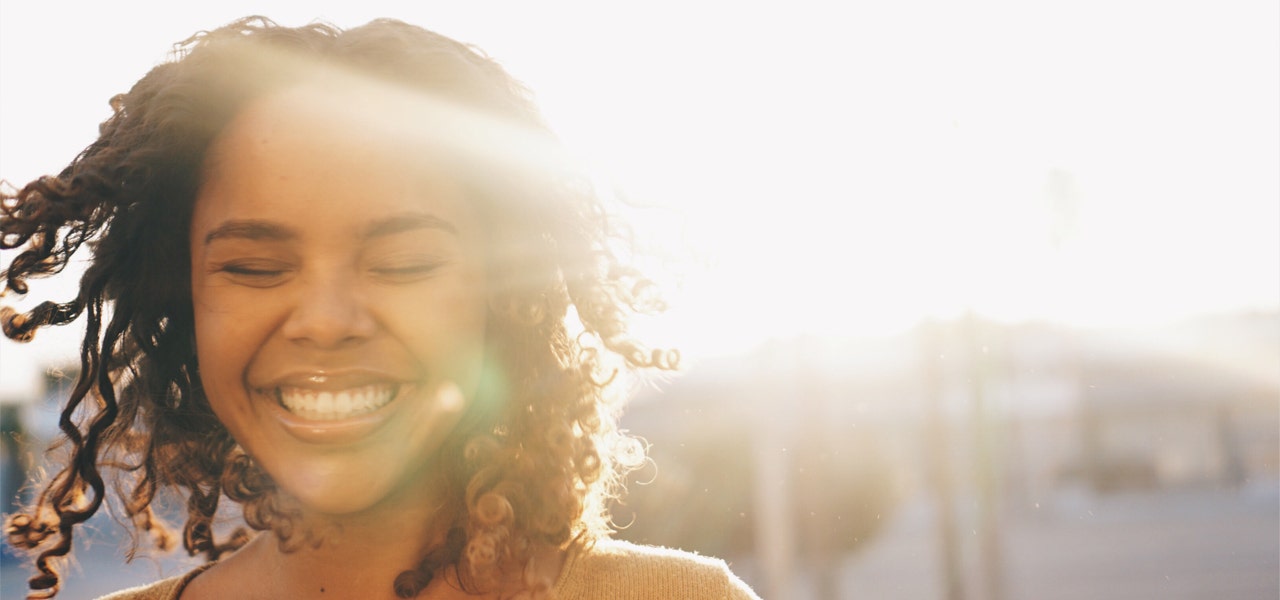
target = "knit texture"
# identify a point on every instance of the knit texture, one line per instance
(608, 570)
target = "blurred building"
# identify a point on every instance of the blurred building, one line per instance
(1006, 416)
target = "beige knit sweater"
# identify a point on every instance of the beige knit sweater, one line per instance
(609, 570)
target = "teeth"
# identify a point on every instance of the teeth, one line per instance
(334, 405)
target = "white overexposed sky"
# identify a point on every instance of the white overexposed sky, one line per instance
(842, 168)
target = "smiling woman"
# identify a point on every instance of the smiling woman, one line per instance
(322, 322)
(342, 269)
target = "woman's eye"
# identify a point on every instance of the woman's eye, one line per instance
(257, 274)
(406, 271)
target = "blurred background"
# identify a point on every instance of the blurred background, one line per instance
(977, 300)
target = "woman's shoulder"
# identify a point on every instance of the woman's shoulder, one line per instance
(165, 589)
(622, 570)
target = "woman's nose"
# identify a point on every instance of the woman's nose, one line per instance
(330, 312)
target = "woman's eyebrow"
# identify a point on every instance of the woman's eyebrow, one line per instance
(406, 222)
(250, 229)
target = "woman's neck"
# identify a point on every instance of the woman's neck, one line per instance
(334, 557)
(356, 556)
(353, 557)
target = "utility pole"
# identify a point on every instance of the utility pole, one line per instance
(937, 452)
(986, 471)
(775, 532)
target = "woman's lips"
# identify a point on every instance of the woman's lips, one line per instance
(333, 405)
(325, 407)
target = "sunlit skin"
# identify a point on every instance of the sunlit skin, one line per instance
(327, 258)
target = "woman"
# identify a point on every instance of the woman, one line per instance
(343, 279)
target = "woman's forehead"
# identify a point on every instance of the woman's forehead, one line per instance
(299, 153)
(309, 121)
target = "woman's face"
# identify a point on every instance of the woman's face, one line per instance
(339, 299)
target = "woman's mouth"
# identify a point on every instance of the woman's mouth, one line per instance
(334, 405)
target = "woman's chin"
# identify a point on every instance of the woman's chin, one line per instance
(339, 488)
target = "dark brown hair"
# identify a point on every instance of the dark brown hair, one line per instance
(538, 454)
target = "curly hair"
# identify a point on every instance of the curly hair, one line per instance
(535, 459)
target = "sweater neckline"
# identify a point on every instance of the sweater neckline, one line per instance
(572, 553)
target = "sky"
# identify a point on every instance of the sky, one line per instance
(828, 168)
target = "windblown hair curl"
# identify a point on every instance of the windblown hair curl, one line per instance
(534, 461)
